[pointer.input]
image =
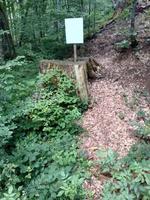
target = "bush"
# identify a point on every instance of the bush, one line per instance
(40, 158)
(143, 131)
(122, 46)
(130, 178)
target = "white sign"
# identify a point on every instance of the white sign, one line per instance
(74, 30)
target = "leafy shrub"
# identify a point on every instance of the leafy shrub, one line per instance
(13, 84)
(6, 131)
(122, 46)
(53, 48)
(55, 106)
(130, 175)
(143, 131)
(132, 183)
(107, 160)
(40, 158)
(47, 169)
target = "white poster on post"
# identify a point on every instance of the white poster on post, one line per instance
(74, 30)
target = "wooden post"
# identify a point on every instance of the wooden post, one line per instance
(75, 52)
(82, 82)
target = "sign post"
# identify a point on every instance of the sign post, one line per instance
(75, 52)
(74, 33)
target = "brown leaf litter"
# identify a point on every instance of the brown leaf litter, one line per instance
(113, 106)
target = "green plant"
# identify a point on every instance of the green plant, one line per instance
(130, 176)
(107, 160)
(122, 46)
(10, 195)
(141, 114)
(40, 158)
(14, 81)
(143, 131)
(132, 183)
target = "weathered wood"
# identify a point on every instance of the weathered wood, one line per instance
(66, 66)
(80, 71)
(75, 52)
(94, 69)
(81, 79)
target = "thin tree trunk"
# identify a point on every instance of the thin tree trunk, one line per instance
(57, 22)
(82, 7)
(23, 15)
(133, 40)
(94, 25)
(89, 21)
(8, 49)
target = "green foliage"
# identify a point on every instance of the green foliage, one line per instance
(14, 80)
(122, 46)
(40, 158)
(130, 178)
(54, 49)
(6, 130)
(2, 32)
(39, 26)
(125, 14)
(49, 164)
(107, 160)
(12, 195)
(55, 106)
(130, 175)
(143, 131)
(19, 61)
(141, 114)
(131, 182)
(132, 101)
(138, 152)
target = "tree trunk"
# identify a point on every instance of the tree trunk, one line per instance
(8, 49)
(133, 40)
(89, 17)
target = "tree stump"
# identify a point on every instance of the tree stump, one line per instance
(82, 81)
(80, 71)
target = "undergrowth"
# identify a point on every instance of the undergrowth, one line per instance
(130, 175)
(40, 158)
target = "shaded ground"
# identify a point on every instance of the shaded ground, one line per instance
(115, 99)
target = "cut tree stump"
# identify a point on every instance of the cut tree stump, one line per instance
(82, 81)
(80, 71)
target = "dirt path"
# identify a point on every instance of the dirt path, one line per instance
(114, 101)
(114, 108)
(107, 121)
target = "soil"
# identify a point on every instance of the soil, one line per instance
(115, 99)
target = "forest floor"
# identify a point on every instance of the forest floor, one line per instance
(117, 98)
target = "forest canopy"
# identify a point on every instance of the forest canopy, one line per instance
(39, 25)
